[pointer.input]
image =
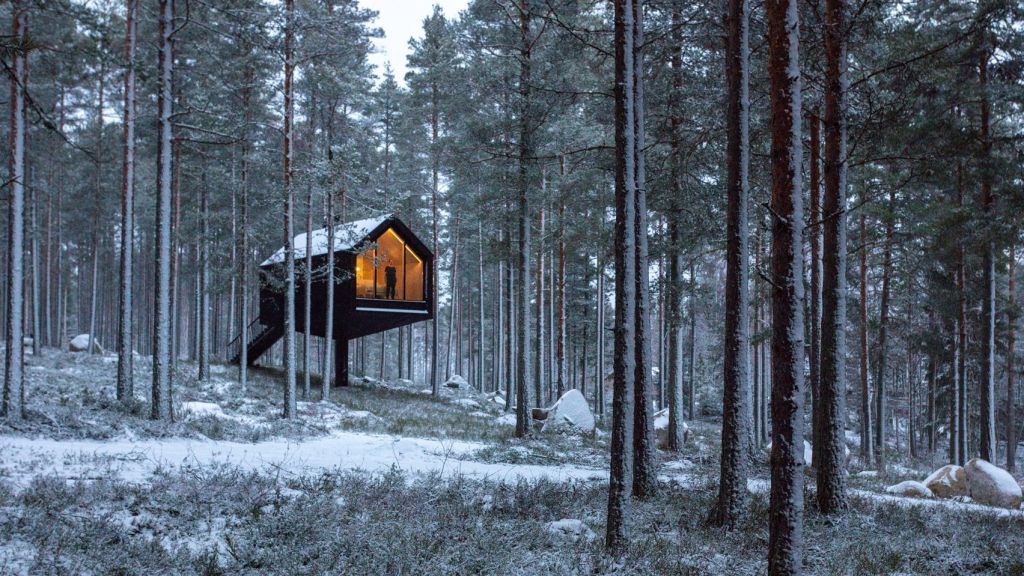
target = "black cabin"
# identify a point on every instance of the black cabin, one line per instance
(383, 279)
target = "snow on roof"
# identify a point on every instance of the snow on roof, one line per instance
(346, 237)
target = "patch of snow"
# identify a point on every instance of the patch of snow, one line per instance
(466, 402)
(190, 410)
(134, 461)
(506, 419)
(867, 474)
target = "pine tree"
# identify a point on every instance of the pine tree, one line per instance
(786, 503)
(731, 506)
(125, 378)
(830, 441)
(624, 366)
(14, 372)
(161, 392)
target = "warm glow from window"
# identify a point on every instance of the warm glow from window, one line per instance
(389, 270)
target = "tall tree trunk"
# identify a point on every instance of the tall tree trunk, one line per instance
(161, 393)
(329, 335)
(560, 339)
(480, 372)
(674, 284)
(867, 450)
(98, 191)
(538, 366)
(644, 474)
(243, 259)
(1011, 353)
(785, 540)
(204, 282)
(961, 338)
(14, 374)
(829, 414)
(290, 409)
(691, 381)
(814, 298)
(525, 160)
(600, 378)
(624, 370)
(986, 385)
(883, 331)
(732, 503)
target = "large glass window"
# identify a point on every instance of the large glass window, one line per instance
(389, 270)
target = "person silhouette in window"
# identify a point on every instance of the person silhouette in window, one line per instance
(391, 281)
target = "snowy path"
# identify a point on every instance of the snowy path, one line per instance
(23, 458)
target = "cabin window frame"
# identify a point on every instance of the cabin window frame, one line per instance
(370, 255)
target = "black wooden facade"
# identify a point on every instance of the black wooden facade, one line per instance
(375, 287)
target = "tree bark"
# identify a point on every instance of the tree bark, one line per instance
(644, 475)
(290, 408)
(786, 503)
(14, 374)
(161, 392)
(525, 160)
(1011, 353)
(867, 450)
(986, 385)
(732, 502)
(829, 414)
(883, 331)
(624, 369)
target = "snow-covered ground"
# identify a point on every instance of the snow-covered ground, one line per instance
(134, 460)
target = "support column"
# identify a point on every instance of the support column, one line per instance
(341, 362)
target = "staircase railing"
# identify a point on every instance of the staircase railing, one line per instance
(234, 348)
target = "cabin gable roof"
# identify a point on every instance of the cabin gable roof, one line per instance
(350, 237)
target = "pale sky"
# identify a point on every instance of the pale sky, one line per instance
(401, 20)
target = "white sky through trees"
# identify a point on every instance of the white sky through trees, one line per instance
(401, 20)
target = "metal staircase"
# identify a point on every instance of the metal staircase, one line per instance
(261, 338)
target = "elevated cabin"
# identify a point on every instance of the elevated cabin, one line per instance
(383, 279)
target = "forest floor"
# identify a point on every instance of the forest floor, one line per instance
(386, 479)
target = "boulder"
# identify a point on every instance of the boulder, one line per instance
(570, 528)
(990, 485)
(572, 411)
(661, 428)
(910, 488)
(948, 482)
(457, 381)
(80, 343)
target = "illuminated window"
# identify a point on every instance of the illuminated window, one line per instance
(389, 270)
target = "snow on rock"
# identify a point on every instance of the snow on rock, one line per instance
(570, 410)
(661, 428)
(948, 481)
(506, 420)
(456, 381)
(466, 402)
(570, 528)
(190, 410)
(988, 484)
(910, 488)
(867, 474)
(80, 343)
